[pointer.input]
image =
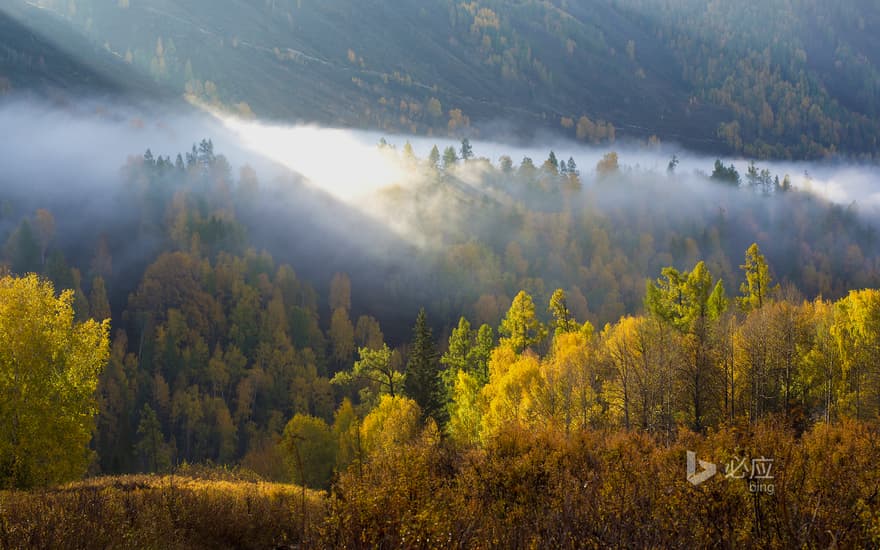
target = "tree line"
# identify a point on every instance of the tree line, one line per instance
(220, 353)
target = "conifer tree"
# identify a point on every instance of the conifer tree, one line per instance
(423, 382)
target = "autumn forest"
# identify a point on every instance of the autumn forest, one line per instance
(540, 336)
(439, 274)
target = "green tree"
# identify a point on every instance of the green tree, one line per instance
(758, 286)
(469, 351)
(527, 169)
(552, 164)
(753, 177)
(465, 408)
(24, 250)
(423, 383)
(310, 449)
(467, 151)
(408, 154)
(49, 369)
(506, 164)
(460, 345)
(347, 432)
(450, 158)
(151, 444)
(691, 303)
(376, 368)
(520, 327)
(434, 158)
(563, 321)
(725, 174)
(45, 224)
(481, 352)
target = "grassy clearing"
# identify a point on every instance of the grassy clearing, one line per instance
(170, 511)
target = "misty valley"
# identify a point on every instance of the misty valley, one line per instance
(309, 298)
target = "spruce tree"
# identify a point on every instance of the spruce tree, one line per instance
(423, 382)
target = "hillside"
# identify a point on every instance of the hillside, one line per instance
(438, 274)
(38, 53)
(195, 508)
(769, 79)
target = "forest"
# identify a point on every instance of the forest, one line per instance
(439, 274)
(776, 79)
(534, 345)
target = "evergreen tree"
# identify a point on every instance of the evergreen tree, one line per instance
(206, 153)
(449, 158)
(408, 153)
(725, 174)
(422, 381)
(434, 158)
(673, 164)
(551, 165)
(25, 250)
(481, 351)
(467, 152)
(753, 176)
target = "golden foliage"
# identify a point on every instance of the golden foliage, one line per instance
(212, 510)
(49, 368)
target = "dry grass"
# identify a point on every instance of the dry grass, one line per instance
(161, 512)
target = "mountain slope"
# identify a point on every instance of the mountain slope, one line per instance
(782, 78)
(40, 53)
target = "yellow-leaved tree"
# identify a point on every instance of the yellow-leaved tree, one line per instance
(510, 396)
(394, 422)
(49, 368)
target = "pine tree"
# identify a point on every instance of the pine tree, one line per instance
(449, 157)
(467, 151)
(551, 165)
(422, 381)
(408, 153)
(481, 351)
(434, 158)
(726, 174)
(25, 250)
